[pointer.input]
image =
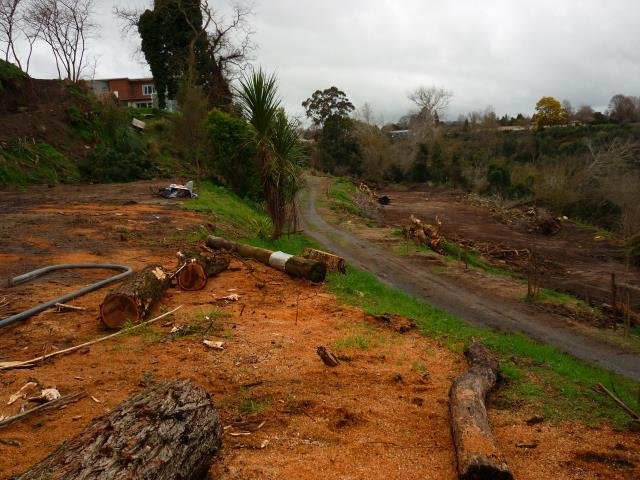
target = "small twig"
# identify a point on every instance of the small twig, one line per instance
(623, 405)
(11, 443)
(60, 307)
(60, 402)
(12, 365)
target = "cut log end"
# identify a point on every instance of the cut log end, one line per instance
(192, 277)
(118, 309)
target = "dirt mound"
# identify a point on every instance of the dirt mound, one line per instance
(44, 111)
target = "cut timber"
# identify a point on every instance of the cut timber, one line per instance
(477, 453)
(295, 266)
(333, 262)
(133, 299)
(328, 358)
(198, 268)
(169, 431)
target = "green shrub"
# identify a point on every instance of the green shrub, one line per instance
(232, 154)
(499, 179)
(8, 72)
(120, 155)
(600, 212)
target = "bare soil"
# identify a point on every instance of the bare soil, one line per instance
(578, 260)
(382, 413)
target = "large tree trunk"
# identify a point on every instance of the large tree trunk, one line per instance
(476, 449)
(133, 299)
(199, 267)
(295, 266)
(167, 432)
(333, 262)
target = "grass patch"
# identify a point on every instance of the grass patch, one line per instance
(547, 380)
(472, 259)
(248, 406)
(546, 295)
(232, 215)
(341, 196)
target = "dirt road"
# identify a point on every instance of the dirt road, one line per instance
(476, 309)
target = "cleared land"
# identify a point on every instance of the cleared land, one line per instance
(383, 413)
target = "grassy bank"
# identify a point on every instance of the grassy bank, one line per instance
(537, 377)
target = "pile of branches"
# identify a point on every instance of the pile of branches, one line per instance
(426, 234)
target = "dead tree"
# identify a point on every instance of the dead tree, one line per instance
(133, 299)
(65, 26)
(476, 449)
(198, 268)
(169, 431)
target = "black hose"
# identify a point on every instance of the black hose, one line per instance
(27, 277)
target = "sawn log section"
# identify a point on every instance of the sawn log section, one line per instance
(295, 266)
(133, 299)
(170, 431)
(476, 449)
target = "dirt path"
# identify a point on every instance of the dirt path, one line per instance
(476, 309)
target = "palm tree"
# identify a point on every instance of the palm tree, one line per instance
(276, 142)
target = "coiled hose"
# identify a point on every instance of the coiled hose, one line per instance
(27, 277)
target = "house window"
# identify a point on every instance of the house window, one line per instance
(148, 89)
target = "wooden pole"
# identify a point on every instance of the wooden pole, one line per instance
(313, 270)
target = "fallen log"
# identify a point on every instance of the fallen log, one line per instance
(295, 266)
(476, 449)
(169, 431)
(133, 299)
(333, 262)
(198, 268)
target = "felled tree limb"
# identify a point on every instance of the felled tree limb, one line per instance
(476, 449)
(169, 431)
(52, 405)
(199, 267)
(295, 266)
(133, 299)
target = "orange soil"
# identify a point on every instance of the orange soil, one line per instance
(382, 413)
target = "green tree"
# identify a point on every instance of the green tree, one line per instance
(325, 104)
(419, 170)
(276, 143)
(549, 112)
(177, 43)
(231, 154)
(338, 145)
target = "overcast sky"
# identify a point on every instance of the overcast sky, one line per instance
(500, 53)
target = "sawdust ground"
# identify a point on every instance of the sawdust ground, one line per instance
(382, 413)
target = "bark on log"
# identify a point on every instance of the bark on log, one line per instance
(199, 268)
(133, 299)
(170, 431)
(476, 449)
(295, 266)
(333, 262)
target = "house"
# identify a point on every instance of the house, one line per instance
(131, 92)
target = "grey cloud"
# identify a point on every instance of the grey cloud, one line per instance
(503, 53)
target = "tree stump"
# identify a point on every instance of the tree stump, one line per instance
(199, 268)
(476, 449)
(133, 299)
(170, 431)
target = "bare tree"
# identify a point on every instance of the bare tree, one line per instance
(9, 28)
(432, 101)
(66, 26)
